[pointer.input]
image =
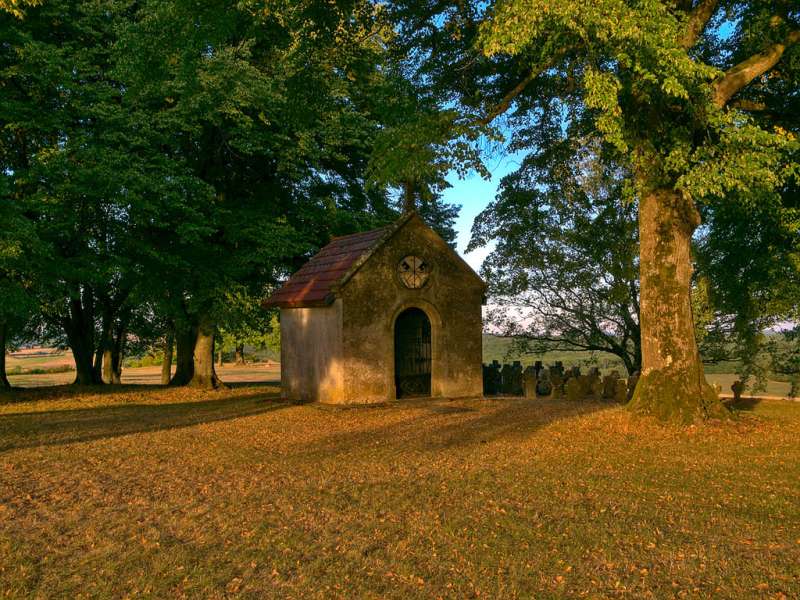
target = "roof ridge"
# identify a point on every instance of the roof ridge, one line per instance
(347, 235)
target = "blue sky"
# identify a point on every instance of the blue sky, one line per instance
(473, 194)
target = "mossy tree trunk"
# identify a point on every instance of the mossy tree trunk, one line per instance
(166, 363)
(205, 376)
(672, 385)
(4, 383)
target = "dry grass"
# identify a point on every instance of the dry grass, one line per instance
(166, 493)
(229, 373)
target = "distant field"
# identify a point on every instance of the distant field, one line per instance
(39, 358)
(51, 359)
(493, 348)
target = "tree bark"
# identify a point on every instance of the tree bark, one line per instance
(102, 355)
(239, 359)
(4, 383)
(82, 353)
(117, 354)
(184, 355)
(205, 377)
(108, 368)
(79, 327)
(166, 363)
(672, 385)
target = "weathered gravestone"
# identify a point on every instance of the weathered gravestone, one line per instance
(529, 381)
(620, 391)
(574, 389)
(516, 379)
(609, 386)
(595, 388)
(544, 387)
(491, 378)
(539, 368)
(506, 379)
(585, 381)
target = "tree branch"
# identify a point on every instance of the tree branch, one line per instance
(505, 103)
(698, 18)
(741, 75)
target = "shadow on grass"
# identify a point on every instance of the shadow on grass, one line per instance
(55, 428)
(744, 404)
(435, 425)
(17, 395)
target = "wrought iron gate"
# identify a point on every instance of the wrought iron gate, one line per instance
(412, 354)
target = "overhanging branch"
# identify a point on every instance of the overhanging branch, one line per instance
(504, 104)
(736, 78)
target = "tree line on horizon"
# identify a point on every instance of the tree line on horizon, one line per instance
(166, 163)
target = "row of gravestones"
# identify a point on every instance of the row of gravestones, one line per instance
(536, 381)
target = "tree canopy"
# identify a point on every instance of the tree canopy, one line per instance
(189, 152)
(693, 98)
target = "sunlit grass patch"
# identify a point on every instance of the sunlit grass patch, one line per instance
(171, 493)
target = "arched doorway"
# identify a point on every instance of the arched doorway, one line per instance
(412, 354)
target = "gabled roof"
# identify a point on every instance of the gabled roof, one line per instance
(313, 284)
(317, 281)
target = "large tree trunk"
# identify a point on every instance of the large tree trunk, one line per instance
(108, 367)
(239, 358)
(112, 350)
(102, 355)
(166, 363)
(79, 327)
(117, 353)
(205, 376)
(3, 379)
(82, 353)
(672, 385)
(184, 355)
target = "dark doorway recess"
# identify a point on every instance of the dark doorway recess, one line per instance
(412, 354)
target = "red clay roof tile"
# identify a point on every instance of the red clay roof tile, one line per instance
(312, 285)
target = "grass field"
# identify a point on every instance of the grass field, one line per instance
(150, 492)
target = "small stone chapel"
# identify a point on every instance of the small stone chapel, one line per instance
(380, 315)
